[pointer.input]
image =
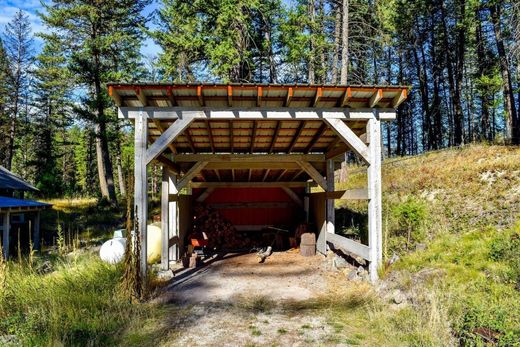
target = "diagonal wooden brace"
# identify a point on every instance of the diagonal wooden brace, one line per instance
(167, 137)
(350, 138)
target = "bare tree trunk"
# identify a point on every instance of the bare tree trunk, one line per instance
(485, 132)
(344, 42)
(311, 71)
(455, 73)
(337, 33)
(509, 99)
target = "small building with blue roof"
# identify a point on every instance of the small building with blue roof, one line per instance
(19, 217)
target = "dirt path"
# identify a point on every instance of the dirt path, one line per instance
(238, 302)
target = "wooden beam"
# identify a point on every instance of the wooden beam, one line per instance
(289, 97)
(281, 174)
(237, 165)
(316, 137)
(182, 158)
(230, 96)
(210, 135)
(231, 138)
(167, 163)
(350, 194)
(200, 96)
(159, 126)
(314, 174)
(348, 245)
(331, 212)
(183, 182)
(346, 97)
(259, 93)
(202, 197)
(141, 97)
(375, 225)
(375, 98)
(166, 138)
(187, 133)
(253, 137)
(295, 197)
(265, 175)
(296, 136)
(317, 97)
(36, 234)
(275, 136)
(173, 215)
(5, 230)
(171, 98)
(217, 173)
(248, 184)
(350, 138)
(400, 98)
(262, 113)
(336, 152)
(141, 185)
(113, 93)
(165, 252)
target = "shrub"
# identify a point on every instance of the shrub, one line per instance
(410, 217)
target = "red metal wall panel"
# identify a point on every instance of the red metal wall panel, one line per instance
(287, 216)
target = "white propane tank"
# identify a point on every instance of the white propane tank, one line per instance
(113, 251)
(154, 241)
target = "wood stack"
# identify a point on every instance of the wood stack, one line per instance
(308, 245)
(220, 232)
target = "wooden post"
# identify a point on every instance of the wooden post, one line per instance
(173, 217)
(165, 261)
(36, 231)
(5, 227)
(374, 195)
(306, 203)
(141, 185)
(330, 202)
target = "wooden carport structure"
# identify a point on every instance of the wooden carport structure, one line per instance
(257, 135)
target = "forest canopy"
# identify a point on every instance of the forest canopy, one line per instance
(59, 128)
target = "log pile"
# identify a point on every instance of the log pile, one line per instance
(220, 232)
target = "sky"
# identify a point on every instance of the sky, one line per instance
(9, 7)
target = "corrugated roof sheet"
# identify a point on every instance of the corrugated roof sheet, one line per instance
(6, 202)
(9, 180)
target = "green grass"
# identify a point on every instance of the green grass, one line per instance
(77, 304)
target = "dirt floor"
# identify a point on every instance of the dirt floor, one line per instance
(235, 301)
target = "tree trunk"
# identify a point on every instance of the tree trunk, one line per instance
(455, 74)
(335, 54)
(311, 77)
(485, 131)
(344, 42)
(509, 99)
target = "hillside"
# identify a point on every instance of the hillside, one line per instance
(453, 217)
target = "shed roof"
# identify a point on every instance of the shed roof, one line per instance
(235, 119)
(22, 205)
(9, 180)
(256, 95)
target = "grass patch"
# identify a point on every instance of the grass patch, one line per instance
(77, 304)
(481, 270)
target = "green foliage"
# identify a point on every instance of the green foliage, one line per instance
(506, 248)
(410, 217)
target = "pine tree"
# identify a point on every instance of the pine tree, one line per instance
(52, 99)
(100, 41)
(18, 46)
(4, 97)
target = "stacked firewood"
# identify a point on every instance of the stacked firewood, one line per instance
(221, 234)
